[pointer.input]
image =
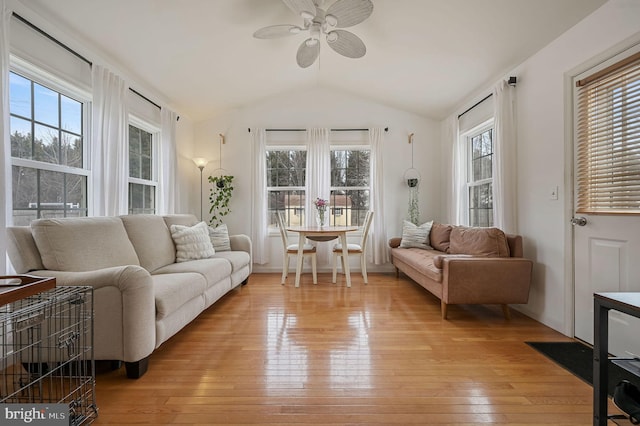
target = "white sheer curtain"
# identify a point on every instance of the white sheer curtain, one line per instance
(168, 163)
(458, 211)
(504, 164)
(259, 231)
(319, 162)
(379, 250)
(109, 151)
(5, 151)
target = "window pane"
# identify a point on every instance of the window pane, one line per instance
(481, 205)
(46, 144)
(20, 138)
(291, 203)
(145, 172)
(348, 207)
(71, 150)
(350, 168)
(286, 168)
(42, 193)
(20, 95)
(141, 199)
(71, 115)
(45, 105)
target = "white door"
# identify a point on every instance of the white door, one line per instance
(607, 258)
(607, 241)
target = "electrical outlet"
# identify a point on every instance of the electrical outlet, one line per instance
(553, 193)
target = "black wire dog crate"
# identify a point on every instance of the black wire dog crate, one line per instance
(46, 352)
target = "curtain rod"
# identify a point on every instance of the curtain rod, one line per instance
(386, 129)
(511, 82)
(50, 37)
(145, 98)
(475, 105)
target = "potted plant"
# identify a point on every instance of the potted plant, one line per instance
(219, 197)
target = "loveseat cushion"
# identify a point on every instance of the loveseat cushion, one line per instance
(151, 239)
(484, 242)
(419, 259)
(83, 244)
(439, 236)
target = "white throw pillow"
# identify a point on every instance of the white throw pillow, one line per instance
(220, 238)
(415, 236)
(192, 242)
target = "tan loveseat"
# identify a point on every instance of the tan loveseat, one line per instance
(467, 265)
(142, 297)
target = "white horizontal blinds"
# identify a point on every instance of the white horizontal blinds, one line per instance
(608, 139)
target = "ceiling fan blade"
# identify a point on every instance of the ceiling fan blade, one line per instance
(277, 31)
(346, 43)
(301, 6)
(308, 53)
(350, 12)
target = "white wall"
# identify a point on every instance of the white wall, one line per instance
(324, 108)
(543, 155)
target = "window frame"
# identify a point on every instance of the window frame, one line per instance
(54, 83)
(154, 131)
(470, 182)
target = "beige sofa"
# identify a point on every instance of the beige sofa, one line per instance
(142, 297)
(466, 265)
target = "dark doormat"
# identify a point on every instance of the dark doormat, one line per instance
(578, 359)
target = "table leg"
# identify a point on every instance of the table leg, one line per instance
(300, 258)
(345, 257)
(600, 363)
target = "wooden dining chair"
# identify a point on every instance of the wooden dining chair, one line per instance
(355, 249)
(292, 250)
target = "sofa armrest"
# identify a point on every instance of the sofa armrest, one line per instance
(242, 242)
(124, 309)
(395, 242)
(482, 280)
(439, 259)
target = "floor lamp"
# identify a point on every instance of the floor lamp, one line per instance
(201, 163)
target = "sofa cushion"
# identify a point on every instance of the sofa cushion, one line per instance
(439, 236)
(213, 269)
(180, 219)
(151, 239)
(486, 242)
(237, 259)
(83, 244)
(415, 236)
(220, 238)
(192, 242)
(421, 260)
(171, 291)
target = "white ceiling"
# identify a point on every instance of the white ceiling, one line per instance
(423, 56)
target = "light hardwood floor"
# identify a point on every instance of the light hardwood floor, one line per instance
(326, 354)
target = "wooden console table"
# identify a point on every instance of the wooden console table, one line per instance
(628, 303)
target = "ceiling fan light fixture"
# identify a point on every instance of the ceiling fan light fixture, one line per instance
(332, 37)
(295, 30)
(307, 15)
(331, 20)
(311, 42)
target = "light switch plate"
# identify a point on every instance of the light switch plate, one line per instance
(553, 193)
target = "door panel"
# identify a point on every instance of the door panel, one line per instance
(607, 259)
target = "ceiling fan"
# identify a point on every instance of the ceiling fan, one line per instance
(318, 21)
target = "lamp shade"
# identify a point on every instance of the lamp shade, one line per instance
(200, 162)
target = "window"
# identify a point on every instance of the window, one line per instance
(48, 155)
(608, 139)
(350, 186)
(286, 180)
(142, 183)
(480, 176)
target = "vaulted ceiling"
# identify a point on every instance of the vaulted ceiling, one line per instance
(423, 56)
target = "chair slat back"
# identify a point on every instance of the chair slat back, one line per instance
(365, 232)
(283, 229)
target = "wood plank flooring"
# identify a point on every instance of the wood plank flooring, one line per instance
(326, 354)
